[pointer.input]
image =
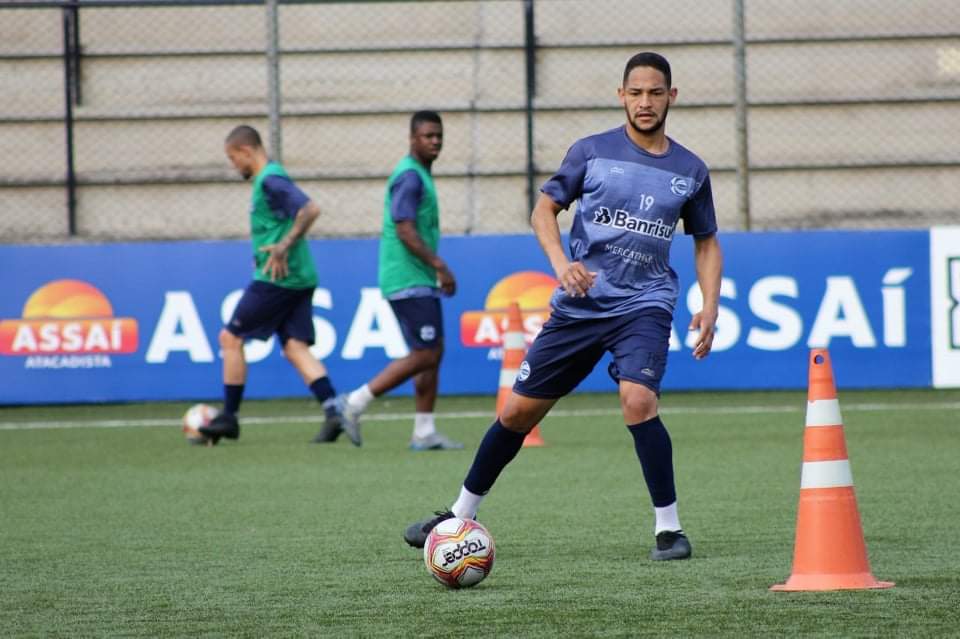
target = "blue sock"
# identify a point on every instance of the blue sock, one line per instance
(232, 396)
(655, 453)
(498, 447)
(322, 389)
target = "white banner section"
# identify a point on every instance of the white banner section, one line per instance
(945, 305)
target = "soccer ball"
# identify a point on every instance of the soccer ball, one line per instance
(459, 553)
(196, 416)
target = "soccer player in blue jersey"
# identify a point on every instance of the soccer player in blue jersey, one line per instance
(617, 293)
(280, 297)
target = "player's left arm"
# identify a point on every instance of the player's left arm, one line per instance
(708, 258)
(285, 197)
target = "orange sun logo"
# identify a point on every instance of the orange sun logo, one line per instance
(67, 317)
(530, 289)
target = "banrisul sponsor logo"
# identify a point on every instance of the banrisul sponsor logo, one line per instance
(465, 548)
(621, 219)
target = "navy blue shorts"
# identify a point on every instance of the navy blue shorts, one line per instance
(421, 320)
(265, 309)
(566, 351)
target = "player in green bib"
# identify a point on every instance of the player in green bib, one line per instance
(412, 278)
(279, 300)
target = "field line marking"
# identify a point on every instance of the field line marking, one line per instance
(558, 413)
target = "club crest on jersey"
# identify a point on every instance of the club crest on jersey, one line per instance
(681, 186)
(524, 370)
(621, 219)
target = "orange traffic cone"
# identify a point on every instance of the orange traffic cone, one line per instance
(514, 350)
(829, 553)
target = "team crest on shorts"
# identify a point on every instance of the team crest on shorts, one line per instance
(524, 370)
(428, 333)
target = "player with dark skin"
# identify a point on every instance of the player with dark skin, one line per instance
(412, 277)
(421, 364)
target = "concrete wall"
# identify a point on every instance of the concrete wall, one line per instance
(162, 86)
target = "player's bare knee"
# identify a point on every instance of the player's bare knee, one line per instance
(229, 341)
(639, 403)
(426, 358)
(293, 346)
(521, 416)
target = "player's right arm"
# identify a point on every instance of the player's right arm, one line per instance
(404, 201)
(557, 193)
(286, 200)
(573, 276)
(407, 232)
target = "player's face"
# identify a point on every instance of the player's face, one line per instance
(426, 141)
(646, 99)
(241, 157)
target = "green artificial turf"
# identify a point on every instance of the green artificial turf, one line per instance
(115, 530)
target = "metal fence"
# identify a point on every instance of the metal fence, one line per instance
(826, 113)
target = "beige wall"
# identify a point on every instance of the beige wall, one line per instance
(150, 129)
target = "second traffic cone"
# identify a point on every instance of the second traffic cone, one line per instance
(829, 552)
(514, 350)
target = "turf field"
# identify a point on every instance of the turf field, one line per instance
(111, 525)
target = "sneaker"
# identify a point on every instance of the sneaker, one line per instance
(434, 441)
(416, 533)
(332, 427)
(223, 425)
(350, 420)
(671, 545)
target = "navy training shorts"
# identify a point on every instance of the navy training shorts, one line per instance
(566, 350)
(265, 309)
(421, 320)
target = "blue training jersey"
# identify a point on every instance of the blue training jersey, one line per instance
(629, 202)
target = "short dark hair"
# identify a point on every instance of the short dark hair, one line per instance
(648, 59)
(420, 117)
(245, 135)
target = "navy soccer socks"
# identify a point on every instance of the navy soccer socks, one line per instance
(655, 452)
(232, 396)
(497, 449)
(322, 389)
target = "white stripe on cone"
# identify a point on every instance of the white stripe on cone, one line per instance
(508, 376)
(514, 341)
(826, 474)
(824, 412)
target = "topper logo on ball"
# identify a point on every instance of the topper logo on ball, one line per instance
(464, 549)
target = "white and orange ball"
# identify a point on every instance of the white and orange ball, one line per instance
(459, 552)
(196, 416)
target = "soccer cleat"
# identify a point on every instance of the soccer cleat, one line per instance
(434, 441)
(350, 420)
(416, 533)
(332, 427)
(223, 425)
(671, 545)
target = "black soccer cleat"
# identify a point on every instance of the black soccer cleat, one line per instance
(223, 425)
(416, 533)
(332, 428)
(671, 545)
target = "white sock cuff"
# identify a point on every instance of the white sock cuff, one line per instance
(667, 519)
(423, 425)
(361, 397)
(467, 504)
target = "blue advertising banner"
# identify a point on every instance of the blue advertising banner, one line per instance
(124, 322)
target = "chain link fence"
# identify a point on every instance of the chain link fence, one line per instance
(113, 112)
